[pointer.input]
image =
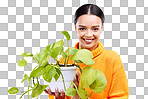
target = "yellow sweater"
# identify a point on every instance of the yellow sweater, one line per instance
(110, 64)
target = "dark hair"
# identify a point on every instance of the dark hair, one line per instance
(91, 9)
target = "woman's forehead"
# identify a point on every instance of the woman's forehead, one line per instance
(89, 20)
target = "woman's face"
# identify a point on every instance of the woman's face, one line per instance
(88, 29)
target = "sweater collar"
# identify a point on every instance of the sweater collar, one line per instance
(95, 52)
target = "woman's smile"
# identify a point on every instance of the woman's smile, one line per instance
(88, 40)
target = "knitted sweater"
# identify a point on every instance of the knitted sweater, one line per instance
(110, 64)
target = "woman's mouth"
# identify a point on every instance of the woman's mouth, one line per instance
(88, 40)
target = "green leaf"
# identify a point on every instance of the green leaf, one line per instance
(27, 54)
(25, 78)
(45, 61)
(48, 48)
(36, 58)
(82, 93)
(56, 51)
(72, 51)
(50, 71)
(38, 72)
(43, 55)
(84, 55)
(13, 90)
(88, 76)
(66, 34)
(58, 73)
(56, 77)
(57, 44)
(79, 47)
(38, 90)
(64, 54)
(78, 61)
(71, 92)
(22, 62)
(99, 84)
(29, 80)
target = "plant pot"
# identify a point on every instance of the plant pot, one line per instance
(68, 73)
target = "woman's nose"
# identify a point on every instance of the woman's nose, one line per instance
(89, 33)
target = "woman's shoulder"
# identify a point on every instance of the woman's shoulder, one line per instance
(110, 53)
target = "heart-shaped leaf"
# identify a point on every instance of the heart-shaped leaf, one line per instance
(25, 78)
(27, 54)
(99, 84)
(50, 71)
(71, 92)
(22, 62)
(83, 55)
(88, 76)
(38, 72)
(82, 93)
(13, 90)
(56, 51)
(57, 44)
(66, 34)
(43, 55)
(38, 90)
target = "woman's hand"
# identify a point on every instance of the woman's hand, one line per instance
(57, 94)
(61, 94)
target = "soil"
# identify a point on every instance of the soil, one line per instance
(68, 65)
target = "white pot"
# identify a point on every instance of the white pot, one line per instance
(68, 73)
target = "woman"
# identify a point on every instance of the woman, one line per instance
(89, 20)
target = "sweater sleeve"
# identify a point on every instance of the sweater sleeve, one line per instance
(119, 86)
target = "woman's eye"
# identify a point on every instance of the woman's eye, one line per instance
(95, 29)
(82, 28)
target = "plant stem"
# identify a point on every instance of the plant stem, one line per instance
(29, 67)
(68, 53)
(78, 67)
(37, 80)
(25, 93)
(91, 94)
(35, 67)
(28, 88)
(64, 84)
(67, 60)
(28, 92)
(33, 81)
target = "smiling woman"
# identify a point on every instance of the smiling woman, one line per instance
(88, 22)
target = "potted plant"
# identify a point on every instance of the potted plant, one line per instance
(55, 72)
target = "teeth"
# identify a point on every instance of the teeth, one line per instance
(88, 40)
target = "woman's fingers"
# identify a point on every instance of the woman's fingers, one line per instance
(46, 91)
(62, 93)
(58, 95)
(57, 92)
(50, 92)
(77, 79)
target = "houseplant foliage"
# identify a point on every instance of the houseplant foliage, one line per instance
(90, 77)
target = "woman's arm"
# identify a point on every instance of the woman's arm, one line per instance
(119, 87)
